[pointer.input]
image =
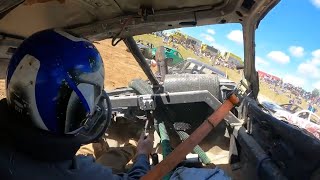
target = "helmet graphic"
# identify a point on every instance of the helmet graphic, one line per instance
(56, 80)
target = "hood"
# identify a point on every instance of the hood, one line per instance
(101, 19)
(272, 106)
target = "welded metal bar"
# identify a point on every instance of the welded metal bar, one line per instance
(134, 49)
(173, 98)
(179, 153)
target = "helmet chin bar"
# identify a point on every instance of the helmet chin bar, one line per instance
(95, 125)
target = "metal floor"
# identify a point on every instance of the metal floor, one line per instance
(216, 145)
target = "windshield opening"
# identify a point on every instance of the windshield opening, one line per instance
(212, 49)
(287, 56)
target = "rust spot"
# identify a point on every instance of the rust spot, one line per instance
(30, 2)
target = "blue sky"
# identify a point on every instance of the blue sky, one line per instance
(287, 41)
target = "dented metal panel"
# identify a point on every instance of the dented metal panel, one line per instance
(6, 5)
(101, 19)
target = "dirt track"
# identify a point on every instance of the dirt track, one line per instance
(120, 66)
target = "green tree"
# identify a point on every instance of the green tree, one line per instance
(315, 93)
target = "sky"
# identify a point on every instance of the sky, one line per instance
(287, 41)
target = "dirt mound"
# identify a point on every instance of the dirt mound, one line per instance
(120, 66)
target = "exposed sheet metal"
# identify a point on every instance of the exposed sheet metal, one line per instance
(6, 5)
(101, 19)
(174, 98)
(104, 18)
(250, 23)
(30, 2)
(131, 44)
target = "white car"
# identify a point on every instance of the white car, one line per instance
(304, 119)
(303, 114)
(295, 115)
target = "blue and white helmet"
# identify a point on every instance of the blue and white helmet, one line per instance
(57, 81)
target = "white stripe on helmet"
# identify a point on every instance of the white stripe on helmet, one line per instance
(69, 36)
(24, 77)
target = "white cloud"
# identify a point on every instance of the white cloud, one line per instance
(316, 3)
(296, 51)
(298, 81)
(236, 36)
(261, 61)
(315, 57)
(279, 57)
(311, 68)
(261, 64)
(316, 53)
(211, 31)
(316, 85)
(221, 48)
(315, 61)
(308, 69)
(212, 42)
(208, 37)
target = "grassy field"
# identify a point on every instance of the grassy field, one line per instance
(265, 90)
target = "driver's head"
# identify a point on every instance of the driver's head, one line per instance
(55, 83)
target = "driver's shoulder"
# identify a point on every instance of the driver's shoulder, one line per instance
(87, 164)
(3, 103)
(81, 167)
(3, 108)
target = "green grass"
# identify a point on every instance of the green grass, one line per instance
(269, 93)
(278, 98)
(232, 74)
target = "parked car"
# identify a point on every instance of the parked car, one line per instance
(172, 54)
(274, 108)
(145, 50)
(193, 66)
(303, 114)
(304, 119)
(292, 108)
(295, 115)
(271, 107)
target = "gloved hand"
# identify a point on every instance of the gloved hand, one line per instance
(145, 144)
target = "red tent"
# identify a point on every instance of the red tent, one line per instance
(264, 74)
